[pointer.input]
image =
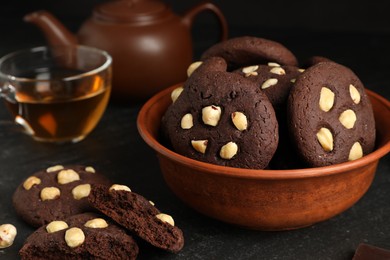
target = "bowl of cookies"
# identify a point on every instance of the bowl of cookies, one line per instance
(255, 140)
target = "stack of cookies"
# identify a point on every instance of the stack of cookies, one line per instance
(247, 103)
(81, 215)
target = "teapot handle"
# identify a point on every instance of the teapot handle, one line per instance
(190, 15)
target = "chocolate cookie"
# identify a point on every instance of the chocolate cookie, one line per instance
(222, 118)
(331, 118)
(313, 60)
(55, 193)
(247, 50)
(83, 236)
(137, 214)
(274, 80)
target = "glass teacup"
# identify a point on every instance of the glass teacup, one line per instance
(57, 94)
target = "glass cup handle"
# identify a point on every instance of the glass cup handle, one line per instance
(7, 91)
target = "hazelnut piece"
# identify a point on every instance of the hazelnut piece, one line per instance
(74, 237)
(31, 181)
(211, 115)
(193, 66)
(228, 150)
(119, 187)
(355, 95)
(325, 138)
(326, 99)
(273, 64)
(96, 223)
(8, 233)
(278, 71)
(269, 83)
(55, 226)
(55, 168)
(187, 121)
(67, 176)
(176, 93)
(81, 191)
(239, 120)
(50, 193)
(348, 118)
(199, 145)
(250, 70)
(356, 152)
(166, 218)
(90, 169)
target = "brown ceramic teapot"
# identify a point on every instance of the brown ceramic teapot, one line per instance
(150, 45)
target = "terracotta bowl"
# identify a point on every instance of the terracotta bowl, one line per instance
(265, 199)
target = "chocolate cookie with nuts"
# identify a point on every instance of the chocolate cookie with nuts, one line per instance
(276, 81)
(139, 215)
(55, 193)
(222, 118)
(331, 117)
(82, 236)
(248, 50)
(273, 79)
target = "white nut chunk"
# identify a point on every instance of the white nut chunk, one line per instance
(55, 168)
(166, 218)
(74, 237)
(176, 93)
(356, 152)
(239, 120)
(81, 191)
(278, 71)
(348, 118)
(56, 225)
(8, 233)
(325, 138)
(67, 176)
(50, 193)
(273, 64)
(228, 150)
(187, 121)
(31, 181)
(211, 115)
(355, 95)
(90, 169)
(326, 99)
(193, 66)
(250, 70)
(119, 187)
(199, 145)
(96, 223)
(269, 83)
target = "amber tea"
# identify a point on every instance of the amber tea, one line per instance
(59, 102)
(53, 116)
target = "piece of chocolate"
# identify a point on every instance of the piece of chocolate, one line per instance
(370, 252)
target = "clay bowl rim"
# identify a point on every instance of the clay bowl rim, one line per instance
(244, 173)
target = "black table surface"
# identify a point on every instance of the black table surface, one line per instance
(116, 149)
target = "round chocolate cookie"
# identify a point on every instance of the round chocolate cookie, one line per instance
(222, 118)
(248, 50)
(331, 118)
(274, 80)
(137, 214)
(313, 60)
(55, 193)
(83, 236)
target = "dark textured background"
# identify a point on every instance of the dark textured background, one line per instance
(354, 33)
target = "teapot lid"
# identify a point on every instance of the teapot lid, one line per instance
(131, 10)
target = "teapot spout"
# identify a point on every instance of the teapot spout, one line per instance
(55, 33)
